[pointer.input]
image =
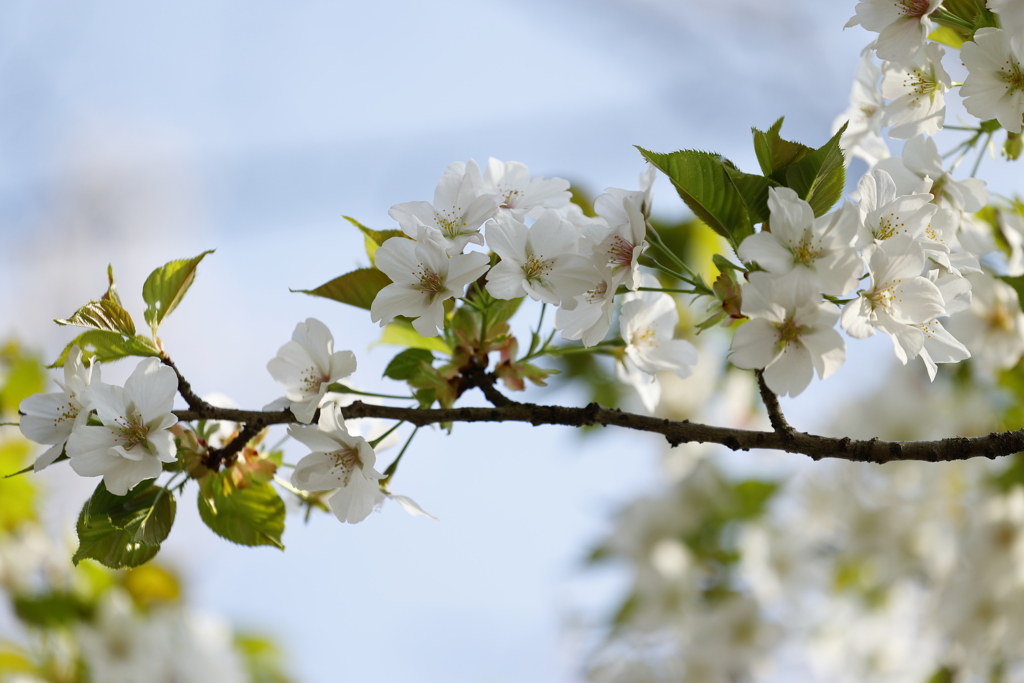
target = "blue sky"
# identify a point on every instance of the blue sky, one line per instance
(135, 133)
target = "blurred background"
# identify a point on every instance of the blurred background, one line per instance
(133, 134)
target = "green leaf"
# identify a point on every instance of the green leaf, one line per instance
(704, 182)
(166, 287)
(408, 363)
(104, 346)
(819, 177)
(252, 516)
(501, 310)
(374, 238)
(773, 152)
(105, 314)
(358, 288)
(124, 531)
(50, 609)
(111, 294)
(754, 191)
(23, 376)
(751, 496)
(947, 36)
(17, 495)
(402, 333)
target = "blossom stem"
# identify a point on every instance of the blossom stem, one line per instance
(373, 444)
(342, 389)
(393, 467)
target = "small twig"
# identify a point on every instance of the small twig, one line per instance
(226, 455)
(185, 389)
(771, 403)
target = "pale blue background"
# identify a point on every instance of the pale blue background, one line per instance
(134, 133)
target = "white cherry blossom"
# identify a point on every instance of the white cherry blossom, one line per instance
(540, 261)
(520, 195)
(134, 440)
(994, 87)
(940, 347)
(460, 207)
(648, 321)
(49, 418)
(790, 335)
(917, 89)
(423, 276)
(622, 243)
(862, 137)
(902, 25)
(993, 327)
(591, 318)
(899, 299)
(338, 461)
(815, 251)
(307, 365)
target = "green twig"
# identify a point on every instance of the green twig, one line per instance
(390, 471)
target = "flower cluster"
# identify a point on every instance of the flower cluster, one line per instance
(546, 248)
(119, 433)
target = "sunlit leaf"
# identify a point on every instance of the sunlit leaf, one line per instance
(402, 333)
(358, 288)
(105, 347)
(104, 314)
(166, 286)
(124, 531)
(408, 363)
(703, 181)
(252, 516)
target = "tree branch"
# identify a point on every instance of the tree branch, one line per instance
(993, 445)
(771, 404)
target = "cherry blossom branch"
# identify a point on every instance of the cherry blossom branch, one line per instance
(996, 444)
(771, 404)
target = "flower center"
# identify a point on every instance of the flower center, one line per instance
(598, 293)
(511, 198)
(883, 298)
(920, 83)
(647, 336)
(887, 226)
(311, 380)
(1000, 319)
(806, 252)
(431, 283)
(620, 253)
(788, 332)
(914, 8)
(132, 431)
(1012, 76)
(536, 267)
(346, 460)
(450, 221)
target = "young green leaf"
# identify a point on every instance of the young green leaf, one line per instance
(105, 314)
(124, 531)
(703, 181)
(408, 363)
(252, 516)
(166, 287)
(111, 294)
(773, 152)
(358, 288)
(819, 177)
(402, 333)
(374, 238)
(104, 346)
